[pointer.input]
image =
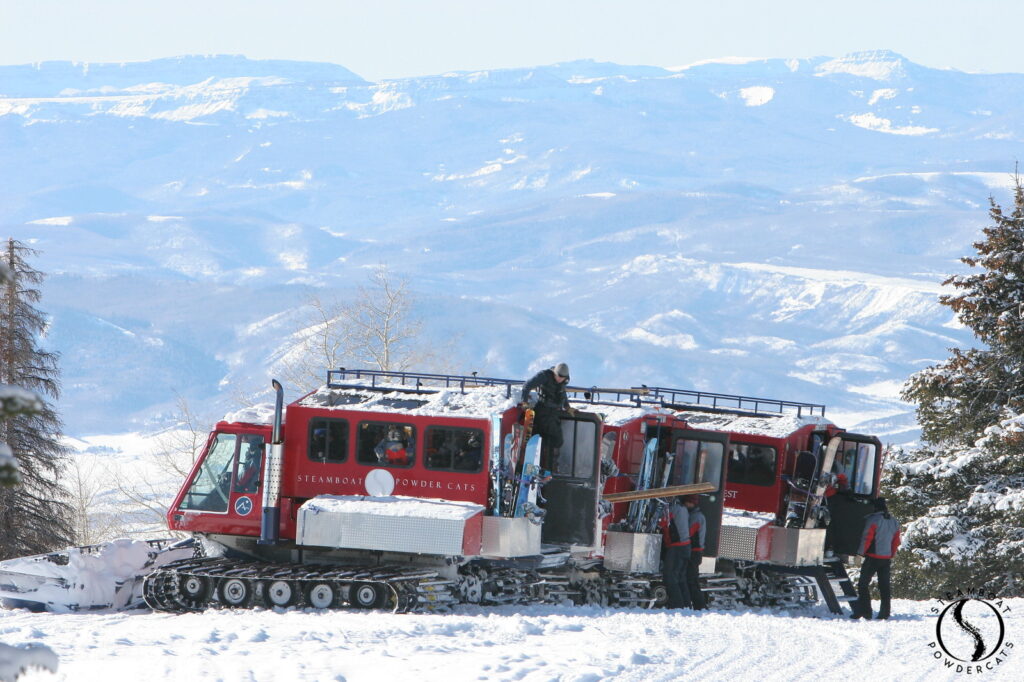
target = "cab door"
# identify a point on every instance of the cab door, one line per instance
(699, 457)
(222, 494)
(573, 492)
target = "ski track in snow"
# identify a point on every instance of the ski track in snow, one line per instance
(533, 643)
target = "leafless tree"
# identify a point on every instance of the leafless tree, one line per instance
(148, 490)
(378, 329)
(92, 523)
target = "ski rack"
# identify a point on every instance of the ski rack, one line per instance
(411, 382)
(420, 383)
(677, 398)
(385, 381)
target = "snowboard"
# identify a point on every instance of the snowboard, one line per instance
(817, 492)
(522, 433)
(531, 476)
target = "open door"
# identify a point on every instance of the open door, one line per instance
(573, 491)
(859, 462)
(699, 457)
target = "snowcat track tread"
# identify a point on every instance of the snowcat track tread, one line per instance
(399, 588)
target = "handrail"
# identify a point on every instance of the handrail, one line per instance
(681, 397)
(423, 382)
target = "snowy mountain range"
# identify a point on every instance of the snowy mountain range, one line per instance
(770, 227)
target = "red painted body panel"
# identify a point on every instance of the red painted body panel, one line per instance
(303, 478)
(472, 536)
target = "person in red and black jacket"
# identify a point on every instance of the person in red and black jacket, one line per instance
(878, 545)
(698, 530)
(675, 527)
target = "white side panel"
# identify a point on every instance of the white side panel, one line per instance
(389, 524)
(510, 537)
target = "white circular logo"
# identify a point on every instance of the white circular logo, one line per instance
(380, 483)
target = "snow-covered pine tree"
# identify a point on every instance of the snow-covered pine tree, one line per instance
(34, 517)
(962, 496)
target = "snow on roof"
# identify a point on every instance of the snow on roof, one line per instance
(254, 414)
(772, 426)
(393, 505)
(617, 415)
(483, 401)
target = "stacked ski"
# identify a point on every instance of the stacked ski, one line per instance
(637, 516)
(515, 472)
(824, 479)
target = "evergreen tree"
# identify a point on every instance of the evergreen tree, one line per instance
(962, 496)
(961, 397)
(13, 402)
(34, 517)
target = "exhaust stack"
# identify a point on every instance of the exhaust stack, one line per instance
(270, 522)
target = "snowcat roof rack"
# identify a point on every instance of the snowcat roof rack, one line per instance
(411, 382)
(680, 398)
(418, 382)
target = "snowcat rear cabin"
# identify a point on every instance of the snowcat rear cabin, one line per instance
(655, 449)
(783, 512)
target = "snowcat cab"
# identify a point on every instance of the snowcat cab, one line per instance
(222, 491)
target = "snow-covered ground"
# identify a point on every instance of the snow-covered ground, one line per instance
(507, 643)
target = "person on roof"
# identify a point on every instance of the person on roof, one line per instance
(551, 402)
(675, 528)
(698, 532)
(878, 545)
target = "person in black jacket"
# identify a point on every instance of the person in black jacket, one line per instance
(552, 400)
(675, 528)
(698, 531)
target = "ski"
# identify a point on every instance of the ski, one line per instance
(817, 491)
(652, 521)
(497, 482)
(638, 509)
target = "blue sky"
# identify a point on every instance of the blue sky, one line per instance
(394, 38)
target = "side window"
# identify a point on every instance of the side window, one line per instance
(711, 455)
(608, 451)
(453, 449)
(864, 480)
(211, 486)
(576, 456)
(250, 463)
(328, 440)
(386, 444)
(684, 468)
(752, 464)
(697, 461)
